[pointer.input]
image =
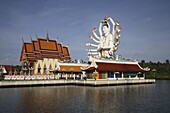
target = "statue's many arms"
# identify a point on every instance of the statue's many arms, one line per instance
(108, 41)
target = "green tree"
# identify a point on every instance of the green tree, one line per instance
(167, 65)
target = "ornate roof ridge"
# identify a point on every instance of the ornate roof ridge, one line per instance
(114, 61)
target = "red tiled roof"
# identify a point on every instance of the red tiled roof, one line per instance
(60, 50)
(66, 53)
(70, 69)
(117, 67)
(8, 68)
(27, 51)
(44, 48)
(28, 47)
(59, 46)
(35, 45)
(22, 52)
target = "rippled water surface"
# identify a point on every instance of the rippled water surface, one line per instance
(146, 98)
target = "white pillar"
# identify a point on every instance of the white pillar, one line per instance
(137, 76)
(122, 75)
(74, 76)
(66, 76)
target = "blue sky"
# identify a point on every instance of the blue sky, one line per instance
(144, 35)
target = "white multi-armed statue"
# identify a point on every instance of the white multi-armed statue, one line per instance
(108, 41)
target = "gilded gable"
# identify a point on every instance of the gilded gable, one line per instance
(47, 45)
(65, 51)
(28, 47)
(36, 46)
(59, 48)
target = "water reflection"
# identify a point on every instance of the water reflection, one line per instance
(80, 99)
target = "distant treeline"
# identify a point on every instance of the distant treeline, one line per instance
(158, 70)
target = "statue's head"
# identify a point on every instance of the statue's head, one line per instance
(106, 29)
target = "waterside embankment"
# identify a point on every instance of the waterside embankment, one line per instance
(88, 82)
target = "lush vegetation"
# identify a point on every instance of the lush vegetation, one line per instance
(158, 70)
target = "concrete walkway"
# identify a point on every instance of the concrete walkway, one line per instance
(89, 82)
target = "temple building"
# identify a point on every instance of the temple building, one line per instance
(43, 56)
(46, 56)
(105, 69)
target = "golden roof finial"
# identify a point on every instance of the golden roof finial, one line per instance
(47, 37)
(31, 38)
(22, 40)
(61, 41)
(57, 39)
(36, 36)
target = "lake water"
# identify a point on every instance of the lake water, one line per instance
(145, 98)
